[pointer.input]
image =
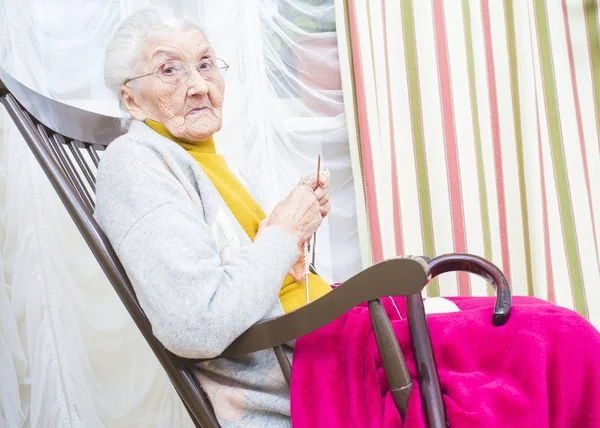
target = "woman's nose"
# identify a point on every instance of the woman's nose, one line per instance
(197, 83)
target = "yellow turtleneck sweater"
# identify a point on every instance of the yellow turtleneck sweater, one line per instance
(245, 209)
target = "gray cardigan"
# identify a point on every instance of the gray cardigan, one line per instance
(199, 278)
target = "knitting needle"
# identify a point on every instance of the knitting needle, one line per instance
(306, 278)
(314, 245)
(314, 242)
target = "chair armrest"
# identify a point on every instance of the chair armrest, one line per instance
(395, 277)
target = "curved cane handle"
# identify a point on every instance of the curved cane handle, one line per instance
(478, 266)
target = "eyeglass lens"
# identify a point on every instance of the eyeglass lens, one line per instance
(177, 71)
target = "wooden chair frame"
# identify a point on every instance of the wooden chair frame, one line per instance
(68, 142)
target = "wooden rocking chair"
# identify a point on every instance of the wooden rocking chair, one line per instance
(68, 143)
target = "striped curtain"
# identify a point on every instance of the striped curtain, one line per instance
(474, 127)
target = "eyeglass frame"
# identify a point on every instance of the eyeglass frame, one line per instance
(190, 66)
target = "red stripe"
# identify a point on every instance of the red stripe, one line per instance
(458, 221)
(398, 241)
(491, 75)
(547, 253)
(365, 141)
(580, 124)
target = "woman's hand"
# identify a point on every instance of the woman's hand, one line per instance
(321, 191)
(299, 213)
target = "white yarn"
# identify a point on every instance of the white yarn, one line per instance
(439, 305)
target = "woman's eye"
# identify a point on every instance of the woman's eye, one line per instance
(169, 68)
(205, 65)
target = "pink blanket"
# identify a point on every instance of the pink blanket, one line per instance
(541, 369)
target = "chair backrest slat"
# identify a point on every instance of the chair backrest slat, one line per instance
(52, 150)
(93, 155)
(58, 151)
(73, 170)
(75, 148)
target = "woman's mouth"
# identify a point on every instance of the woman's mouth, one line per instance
(198, 110)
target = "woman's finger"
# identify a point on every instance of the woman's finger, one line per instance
(324, 199)
(324, 178)
(320, 192)
(325, 209)
(311, 180)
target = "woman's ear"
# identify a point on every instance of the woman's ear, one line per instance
(132, 106)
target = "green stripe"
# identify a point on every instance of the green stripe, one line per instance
(483, 200)
(560, 170)
(357, 121)
(591, 23)
(418, 138)
(514, 85)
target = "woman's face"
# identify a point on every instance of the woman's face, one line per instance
(191, 110)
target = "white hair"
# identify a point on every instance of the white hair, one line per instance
(124, 49)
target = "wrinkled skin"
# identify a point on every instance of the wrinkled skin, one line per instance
(192, 110)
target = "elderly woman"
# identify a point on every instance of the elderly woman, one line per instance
(205, 260)
(185, 227)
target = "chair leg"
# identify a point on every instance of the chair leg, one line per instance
(284, 363)
(393, 361)
(429, 384)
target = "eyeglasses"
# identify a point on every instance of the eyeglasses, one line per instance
(176, 72)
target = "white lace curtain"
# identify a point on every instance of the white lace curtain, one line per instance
(69, 353)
